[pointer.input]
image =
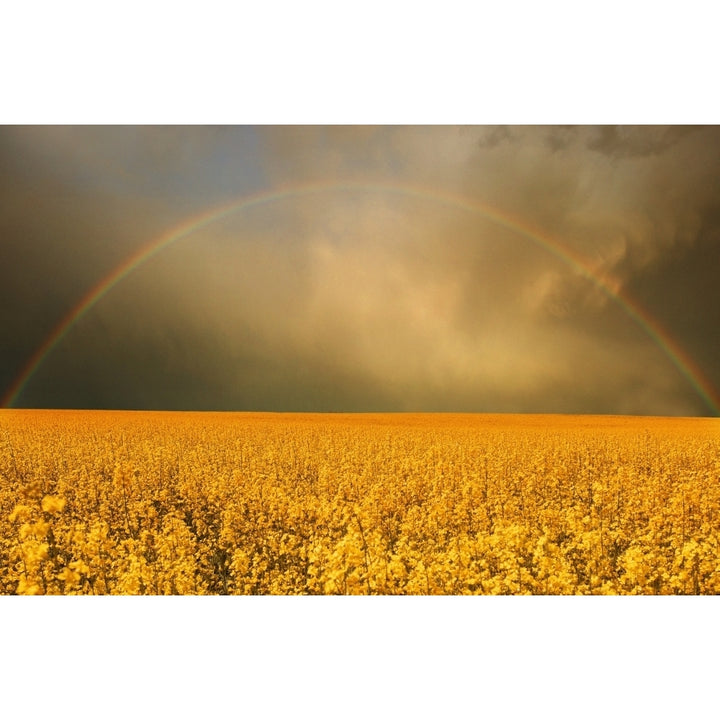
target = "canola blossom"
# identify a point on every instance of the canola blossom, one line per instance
(253, 503)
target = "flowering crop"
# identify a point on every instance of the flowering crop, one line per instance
(196, 503)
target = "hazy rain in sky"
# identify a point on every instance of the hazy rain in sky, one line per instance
(498, 269)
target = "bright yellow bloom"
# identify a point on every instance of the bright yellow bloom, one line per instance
(20, 513)
(367, 504)
(25, 587)
(37, 530)
(70, 577)
(53, 504)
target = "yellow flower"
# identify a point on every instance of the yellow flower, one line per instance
(34, 553)
(70, 577)
(53, 504)
(26, 587)
(20, 513)
(37, 530)
(79, 566)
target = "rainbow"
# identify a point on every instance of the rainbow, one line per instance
(675, 354)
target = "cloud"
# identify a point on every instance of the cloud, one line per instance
(635, 142)
(365, 300)
(492, 136)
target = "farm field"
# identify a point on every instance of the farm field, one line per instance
(110, 502)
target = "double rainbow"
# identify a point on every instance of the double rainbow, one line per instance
(669, 347)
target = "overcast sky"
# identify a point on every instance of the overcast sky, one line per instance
(365, 294)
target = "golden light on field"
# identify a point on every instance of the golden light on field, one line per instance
(189, 503)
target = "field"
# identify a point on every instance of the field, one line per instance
(196, 503)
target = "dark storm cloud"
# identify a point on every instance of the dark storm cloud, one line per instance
(75, 202)
(559, 137)
(493, 136)
(628, 142)
(65, 222)
(363, 300)
(682, 289)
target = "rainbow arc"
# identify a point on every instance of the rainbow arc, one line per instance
(649, 325)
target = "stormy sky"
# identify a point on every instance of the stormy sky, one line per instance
(380, 290)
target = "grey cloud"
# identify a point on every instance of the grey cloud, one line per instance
(636, 141)
(492, 136)
(349, 300)
(560, 137)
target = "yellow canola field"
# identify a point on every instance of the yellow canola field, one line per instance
(239, 503)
